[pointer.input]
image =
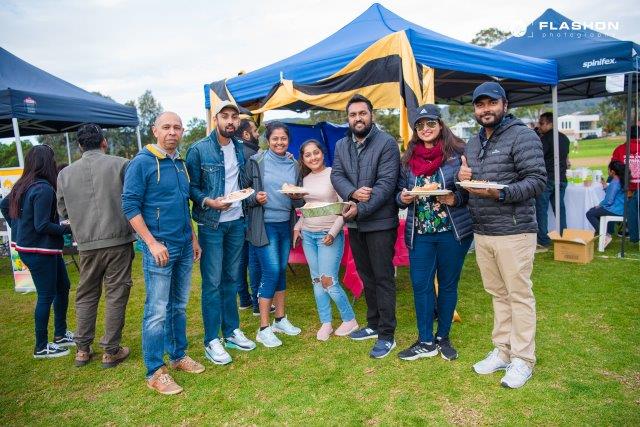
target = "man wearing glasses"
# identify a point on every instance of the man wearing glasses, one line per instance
(504, 222)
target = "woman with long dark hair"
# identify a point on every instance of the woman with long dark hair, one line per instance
(323, 243)
(438, 230)
(30, 211)
(271, 220)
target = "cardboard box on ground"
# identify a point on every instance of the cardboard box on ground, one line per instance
(574, 245)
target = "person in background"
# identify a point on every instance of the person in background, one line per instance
(613, 203)
(90, 196)
(505, 151)
(36, 232)
(323, 243)
(620, 155)
(545, 126)
(365, 172)
(216, 168)
(438, 230)
(272, 217)
(155, 200)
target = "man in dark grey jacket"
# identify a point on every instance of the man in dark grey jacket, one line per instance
(89, 195)
(504, 221)
(365, 171)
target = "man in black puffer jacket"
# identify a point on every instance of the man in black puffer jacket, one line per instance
(504, 222)
(365, 171)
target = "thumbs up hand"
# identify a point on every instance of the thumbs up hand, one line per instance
(464, 174)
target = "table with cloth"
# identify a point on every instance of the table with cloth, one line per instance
(578, 199)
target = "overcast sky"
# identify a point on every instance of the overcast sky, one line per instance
(121, 48)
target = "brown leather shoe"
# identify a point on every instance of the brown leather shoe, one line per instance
(187, 364)
(112, 360)
(162, 382)
(83, 357)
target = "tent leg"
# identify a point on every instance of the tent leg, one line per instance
(139, 139)
(207, 114)
(66, 135)
(556, 157)
(625, 211)
(16, 133)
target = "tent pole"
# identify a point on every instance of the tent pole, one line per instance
(207, 114)
(625, 211)
(556, 158)
(16, 133)
(139, 139)
(66, 135)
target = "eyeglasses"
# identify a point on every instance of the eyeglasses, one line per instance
(483, 147)
(426, 124)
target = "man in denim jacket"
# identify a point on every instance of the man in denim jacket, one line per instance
(216, 168)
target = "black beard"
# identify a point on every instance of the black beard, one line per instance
(226, 133)
(497, 119)
(253, 140)
(364, 132)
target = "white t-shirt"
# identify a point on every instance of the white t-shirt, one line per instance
(231, 172)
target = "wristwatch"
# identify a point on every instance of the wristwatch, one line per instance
(502, 195)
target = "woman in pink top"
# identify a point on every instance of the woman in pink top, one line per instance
(323, 243)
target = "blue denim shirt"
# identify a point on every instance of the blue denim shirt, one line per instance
(205, 163)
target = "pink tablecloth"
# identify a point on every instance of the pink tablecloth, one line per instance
(351, 279)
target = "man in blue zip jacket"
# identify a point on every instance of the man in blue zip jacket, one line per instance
(155, 200)
(216, 168)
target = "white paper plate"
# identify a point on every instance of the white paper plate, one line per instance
(428, 192)
(481, 185)
(241, 195)
(293, 192)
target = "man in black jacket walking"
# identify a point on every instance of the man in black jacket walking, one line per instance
(365, 171)
(504, 221)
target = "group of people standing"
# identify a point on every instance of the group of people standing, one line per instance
(257, 234)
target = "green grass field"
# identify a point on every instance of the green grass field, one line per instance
(602, 147)
(588, 370)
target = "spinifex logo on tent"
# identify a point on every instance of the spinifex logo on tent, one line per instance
(30, 105)
(598, 62)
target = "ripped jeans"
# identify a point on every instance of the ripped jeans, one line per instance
(324, 266)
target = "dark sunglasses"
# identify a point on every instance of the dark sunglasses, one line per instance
(426, 124)
(483, 147)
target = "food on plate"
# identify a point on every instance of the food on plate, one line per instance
(290, 188)
(430, 186)
(236, 196)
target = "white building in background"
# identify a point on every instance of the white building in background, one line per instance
(578, 126)
(465, 130)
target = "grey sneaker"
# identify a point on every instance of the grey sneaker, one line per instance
(518, 372)
(490, 364)
(267, 338)
(239, 341)
(285, 327)
(216, 353)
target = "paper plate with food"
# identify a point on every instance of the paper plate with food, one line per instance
(481, 184)
(429, 189)
(315, 209)
(237, 196)
(292, 189)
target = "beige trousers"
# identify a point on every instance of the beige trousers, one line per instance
(506, 263)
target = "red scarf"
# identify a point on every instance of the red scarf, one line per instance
(426, 161)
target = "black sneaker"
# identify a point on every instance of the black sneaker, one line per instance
(446, 349)
(245, 306)
(419, 350)
(256, 310)
(65, 341)
(51, 350)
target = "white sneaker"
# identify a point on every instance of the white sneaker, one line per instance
(285, 327)
(518, 372)
(239, 341)
(490, 364)
(268, 338)
(216, 353)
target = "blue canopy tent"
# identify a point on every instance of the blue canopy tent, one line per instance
(585, 58)
(34, 102)
(446, 67)
(326, 133)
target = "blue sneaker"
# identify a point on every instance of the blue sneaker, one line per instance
(363, 334)
(382, 348)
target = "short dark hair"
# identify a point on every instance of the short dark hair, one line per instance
(244, 125)
(359, 98)
(90, 136)
(271, 126)
(617, 168)
(547, 117)
(633, 132)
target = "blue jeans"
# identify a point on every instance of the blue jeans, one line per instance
(542, 206)
(632, 217)
(593, 216)
(324, 261)
(220, 270)
(164, 323)
(273, 259)
(52, 285)
(248, 289)
(441, 254)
